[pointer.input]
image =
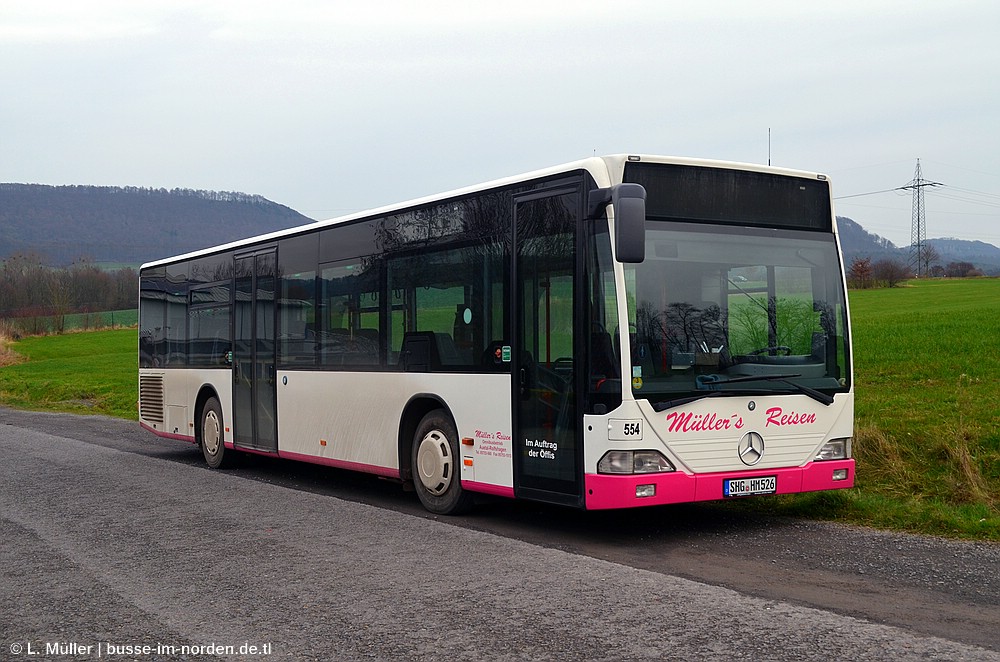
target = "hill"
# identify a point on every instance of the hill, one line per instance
(129, 225)
(983, 255)
(857, 242)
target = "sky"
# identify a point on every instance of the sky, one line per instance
(333, 107)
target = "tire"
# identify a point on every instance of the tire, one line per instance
(211, 438)
(435, 462)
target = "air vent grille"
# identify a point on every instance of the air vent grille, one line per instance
(151, 398)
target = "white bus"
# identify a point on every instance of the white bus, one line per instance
(620, 331)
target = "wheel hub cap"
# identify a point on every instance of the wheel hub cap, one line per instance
(211, 433)
(434, 462)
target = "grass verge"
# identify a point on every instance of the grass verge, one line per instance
(7, 354)
(93, 372)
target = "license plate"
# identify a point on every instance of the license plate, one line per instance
(737, 487)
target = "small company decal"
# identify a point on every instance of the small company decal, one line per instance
(495, 444)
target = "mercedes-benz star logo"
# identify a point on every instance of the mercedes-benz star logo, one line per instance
(751, 448)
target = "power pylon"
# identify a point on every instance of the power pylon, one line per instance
(918, 233)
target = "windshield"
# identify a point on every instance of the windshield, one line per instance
(762, 308)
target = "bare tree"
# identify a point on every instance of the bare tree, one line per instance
(890, 272)
(859, 275)
(928, 257)
(961, 270)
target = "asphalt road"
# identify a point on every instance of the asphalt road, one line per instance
(117, 545)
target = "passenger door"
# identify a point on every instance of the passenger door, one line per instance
(547, 457)
(255, 423)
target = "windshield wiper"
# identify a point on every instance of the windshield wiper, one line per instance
(670, 404)
(713, 382)
(714, 385)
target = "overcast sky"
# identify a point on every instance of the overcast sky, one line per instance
(333, 107)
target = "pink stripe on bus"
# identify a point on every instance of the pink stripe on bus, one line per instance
(251, 451)
(486, 488)
(341, 464)
(169, 435)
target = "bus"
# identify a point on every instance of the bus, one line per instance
(621, 331)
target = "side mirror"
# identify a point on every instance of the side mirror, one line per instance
(629, 203)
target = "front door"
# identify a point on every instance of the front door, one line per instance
(547, 456)
(254, 391)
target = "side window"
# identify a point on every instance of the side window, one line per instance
(208, 326)
(297, 300)
(447, 275)
(349, 330)
(438, 300)
(604, 335)
(176, 327)
(298, 318)
(152, 318)
(437, 275)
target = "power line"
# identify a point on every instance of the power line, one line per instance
(953, 193)
(962, 195)
(858, 195)
(974, 192)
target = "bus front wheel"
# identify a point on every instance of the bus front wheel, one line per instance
(212, 438)
(435, 463)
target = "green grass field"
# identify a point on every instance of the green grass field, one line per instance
(928, 407)
(927, 430)
(94, 372)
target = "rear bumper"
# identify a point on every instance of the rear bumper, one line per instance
(168, 435)
(604, 491)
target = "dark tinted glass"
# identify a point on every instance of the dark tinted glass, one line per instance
(152, 317)
(297, 299)
(211, 269)
(348, 333)
(737, 197)
(208, 327)
(348, 241)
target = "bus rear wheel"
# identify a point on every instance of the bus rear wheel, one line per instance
(212, 437)
(435, 463)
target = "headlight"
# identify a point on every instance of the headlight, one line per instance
(634, 462)
(651, 462)
(835, 449)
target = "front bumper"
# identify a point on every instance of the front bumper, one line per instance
(604, 491)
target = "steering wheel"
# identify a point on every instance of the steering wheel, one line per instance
(776, 348)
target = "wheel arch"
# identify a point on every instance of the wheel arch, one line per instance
(416, 408)
(206, 392)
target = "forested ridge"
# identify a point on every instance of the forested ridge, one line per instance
(128, 225)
